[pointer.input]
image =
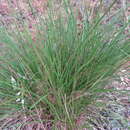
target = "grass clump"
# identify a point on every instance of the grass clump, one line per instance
(61, 70)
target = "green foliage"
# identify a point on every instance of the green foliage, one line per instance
(61, 69)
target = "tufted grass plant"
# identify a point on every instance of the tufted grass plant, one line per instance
(62, 70)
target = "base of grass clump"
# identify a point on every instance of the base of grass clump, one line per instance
(53, 75)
